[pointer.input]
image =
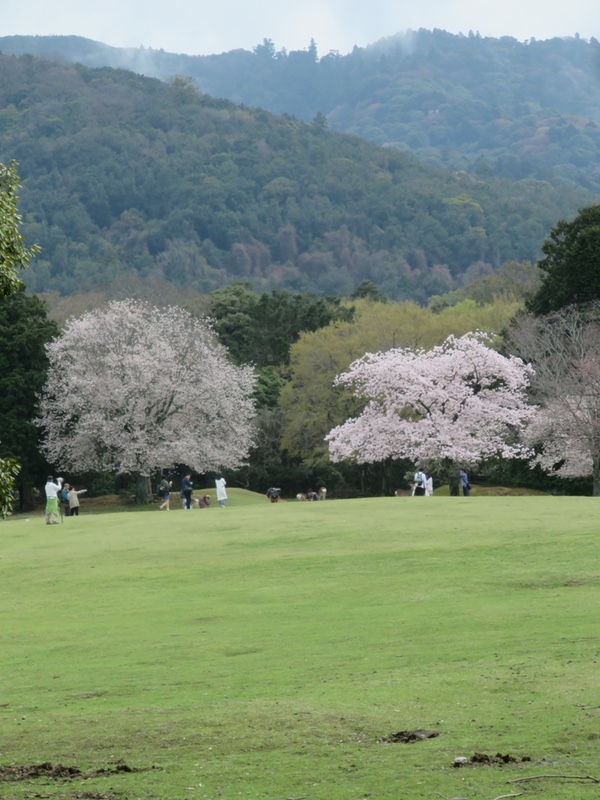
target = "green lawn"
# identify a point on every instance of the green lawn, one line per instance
(261, 650)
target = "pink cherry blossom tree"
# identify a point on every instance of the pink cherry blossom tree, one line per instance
(134, 389)
(450, 406)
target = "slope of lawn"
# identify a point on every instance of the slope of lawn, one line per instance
(271, 651)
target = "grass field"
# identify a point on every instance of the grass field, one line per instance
(268, 651)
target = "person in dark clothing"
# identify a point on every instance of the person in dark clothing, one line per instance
(164, 491)
(187, 488)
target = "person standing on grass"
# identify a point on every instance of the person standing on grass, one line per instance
(63, 499)
(463, 482)
(221, 491)
(420, 482)
(52, 489)
(73, 497)
(164, 491)
(187, 488)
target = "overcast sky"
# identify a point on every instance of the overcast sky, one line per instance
(214, 26)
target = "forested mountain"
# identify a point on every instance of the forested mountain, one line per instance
(493, 106)
(124, 174)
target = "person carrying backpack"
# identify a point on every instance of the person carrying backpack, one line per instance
(164, 492)
(420, 481)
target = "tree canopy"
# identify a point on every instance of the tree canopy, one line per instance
(261, 328)
(564, 349)
(134, 389)
(125, 175)
(457, 403)
(14, 256)
(491, 106)
(24, 331)
(312, 403)
(570, 269)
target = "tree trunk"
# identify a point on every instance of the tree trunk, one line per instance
(596, 476)
(449, 472)
(26, 502)
(143, 490)
(386, 489)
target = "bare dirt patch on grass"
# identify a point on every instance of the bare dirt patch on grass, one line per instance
(406, 737)
(483, 759)
(60, 772)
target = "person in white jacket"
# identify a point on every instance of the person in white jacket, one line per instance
(221, 491)
(52, 489)
(419, 483)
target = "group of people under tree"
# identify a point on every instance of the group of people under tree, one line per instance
(61, 498)
(422, 486)
(165, 486)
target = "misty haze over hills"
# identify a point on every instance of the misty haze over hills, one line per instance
(493, 106)
(127, 177)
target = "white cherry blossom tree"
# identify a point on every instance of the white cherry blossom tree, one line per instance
(449, 406)
(134, 389)
(564, 348)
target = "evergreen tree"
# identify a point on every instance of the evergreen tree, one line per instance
(14, 257)
(570, 269)
(24, 331)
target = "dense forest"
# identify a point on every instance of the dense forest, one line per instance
(492, 106)
(138, 186)
(126, 176)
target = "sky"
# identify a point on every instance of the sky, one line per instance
(202, 27)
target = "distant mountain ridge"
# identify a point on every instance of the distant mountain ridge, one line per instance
(125, 175)
(491, 106)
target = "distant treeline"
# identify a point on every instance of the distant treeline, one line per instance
(493, 106)
(125, 175)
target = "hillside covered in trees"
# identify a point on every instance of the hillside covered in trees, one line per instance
(493, 106)
(126, 175)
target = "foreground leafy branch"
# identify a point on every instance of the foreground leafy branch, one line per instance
(9, 469)
(14, 256)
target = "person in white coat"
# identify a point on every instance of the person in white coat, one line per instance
(52, 489)
(221, 491)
